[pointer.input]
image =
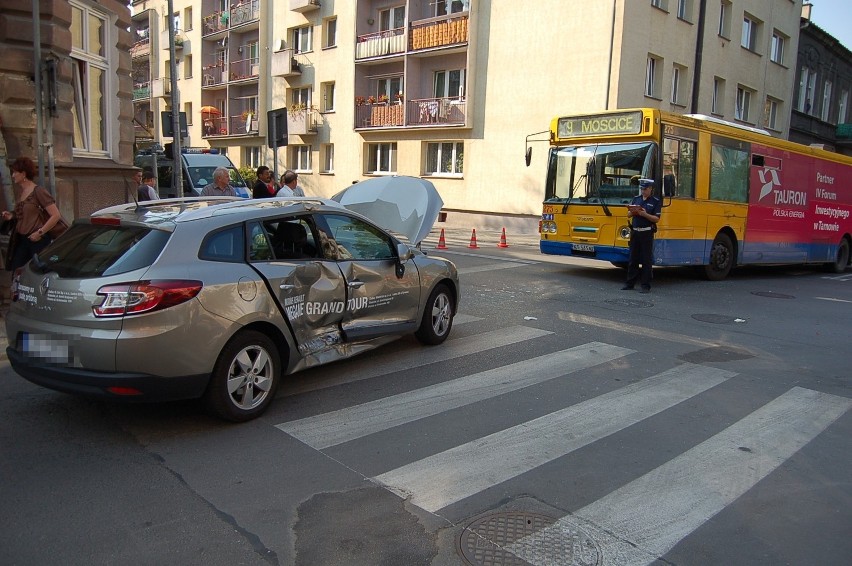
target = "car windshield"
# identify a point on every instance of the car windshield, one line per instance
(592, 174)
(203, 176)
(88, 250)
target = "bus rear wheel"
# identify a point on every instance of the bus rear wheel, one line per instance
(721, 258)
(842, 259)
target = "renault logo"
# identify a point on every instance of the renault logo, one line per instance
(45, 285)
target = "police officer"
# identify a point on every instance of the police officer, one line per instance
(644, 211)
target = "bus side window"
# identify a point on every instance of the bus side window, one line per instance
(678, 168)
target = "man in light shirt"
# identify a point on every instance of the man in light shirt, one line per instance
(221, 185)
(289, 188)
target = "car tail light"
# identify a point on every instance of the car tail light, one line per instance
(106, 221)
(144, 296)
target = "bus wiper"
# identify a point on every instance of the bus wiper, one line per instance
(571, 193)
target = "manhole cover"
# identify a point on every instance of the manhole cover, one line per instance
(715, 318)
(772, 295)
(484, 541)
(630, 303)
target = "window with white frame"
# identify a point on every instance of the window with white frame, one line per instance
(718, 96)
(392, 18)
(187, 66)
(807, 84)
(653, 77)
(772, 108)
(826, 102)
(327, 90)
(684, 10)
(445, 158)
(381, 158)
(444, 7)
(253, 157)
(301, 96)
(327, 157)
(842, 107)
(661, 4)
(743, 104)
(449, 84)
(678, 81)
(329, 33)
(725, 11)
(777, 48)
(300, 158)
(187, 18)
(751, 29)
(90, 79)
(390, 87)
(187, 109)
(303, 39)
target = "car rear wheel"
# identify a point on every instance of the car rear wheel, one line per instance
(721, 258)
(244, 378)
(437, 317)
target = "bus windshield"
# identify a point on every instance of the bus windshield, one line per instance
(598, 174)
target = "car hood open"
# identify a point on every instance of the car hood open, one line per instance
(406, 205)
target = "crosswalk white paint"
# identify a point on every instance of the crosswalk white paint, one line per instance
(448, 477)
(491, 267)
(329, 429)
(643, 520)
(451, 349)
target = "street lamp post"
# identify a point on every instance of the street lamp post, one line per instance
(178, 168)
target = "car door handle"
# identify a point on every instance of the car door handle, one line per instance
(287, 286)
(355, 284)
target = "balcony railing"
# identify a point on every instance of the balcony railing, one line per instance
(213, 75)
(428, 111)
(141, 48)
(244, 12)
(439, 32)
(244, 69)
(243, 124)
(380, 43)
(284, 64)
(214, 126)
(379, 115)
(141, 91)
(302, 122)
(214, 23)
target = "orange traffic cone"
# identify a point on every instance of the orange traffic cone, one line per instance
(503, 243)
(442, 243)
(473, 239)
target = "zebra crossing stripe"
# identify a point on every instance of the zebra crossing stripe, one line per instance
(454, 348)
(450, 476)
(491, 267)
(643, 520)
(330, 429)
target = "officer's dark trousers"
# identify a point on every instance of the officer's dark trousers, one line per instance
(641, 252)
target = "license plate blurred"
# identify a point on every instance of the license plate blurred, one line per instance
(45, 347)
(583, 248)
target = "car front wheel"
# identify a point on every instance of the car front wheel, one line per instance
(437, 317)
(244, 378)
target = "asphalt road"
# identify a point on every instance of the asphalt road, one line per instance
(564, 422)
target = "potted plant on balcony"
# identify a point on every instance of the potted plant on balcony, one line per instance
(371, 99)
(360, 101)
(383, 99)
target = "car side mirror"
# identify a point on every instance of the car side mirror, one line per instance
(404, 252)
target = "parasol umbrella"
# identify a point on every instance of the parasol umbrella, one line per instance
(407, 205)
(210, 110)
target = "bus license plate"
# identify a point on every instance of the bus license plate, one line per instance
(583, 247)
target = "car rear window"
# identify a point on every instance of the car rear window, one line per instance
(88, 250)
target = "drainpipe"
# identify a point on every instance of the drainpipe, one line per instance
(699, 53)
(611, 48)
(38, 92)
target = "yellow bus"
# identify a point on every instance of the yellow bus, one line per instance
(732, 195)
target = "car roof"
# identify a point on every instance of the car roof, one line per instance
(178, 210)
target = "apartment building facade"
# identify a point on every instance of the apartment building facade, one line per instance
(72, 116)
(450, 89)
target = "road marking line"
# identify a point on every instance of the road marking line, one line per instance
(451, 349)
(491, 267)
(832, 299)
(497, 257)
(457, 473)
(336, 427)
(643, 520)
(464, 319)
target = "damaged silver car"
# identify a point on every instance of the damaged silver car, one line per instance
(221, 298)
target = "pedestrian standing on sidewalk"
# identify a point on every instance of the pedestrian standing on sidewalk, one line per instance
(644, 211)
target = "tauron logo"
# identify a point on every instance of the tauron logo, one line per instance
(768, 180)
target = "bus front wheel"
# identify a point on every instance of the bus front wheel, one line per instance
(842, 258)
(721, 258)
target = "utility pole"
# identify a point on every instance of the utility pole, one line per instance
(176, 157)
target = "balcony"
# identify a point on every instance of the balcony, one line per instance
(302, 121)
(284, 64)
(161, 87)
(437, 111)
(304, 5)
(379, 115)
(439, 32)
(244, 13)
(244, 125)
(214, 23)
(244, 70)
(380, 43)
(213, 76)
(141, 91)
(141, 48)
(214, 126)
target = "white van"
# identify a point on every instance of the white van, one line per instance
(198, 166)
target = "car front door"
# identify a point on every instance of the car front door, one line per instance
(382, 293)
(310, 290)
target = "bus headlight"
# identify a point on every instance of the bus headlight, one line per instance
(624, 232)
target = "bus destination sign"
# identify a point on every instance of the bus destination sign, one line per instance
(610, 124)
